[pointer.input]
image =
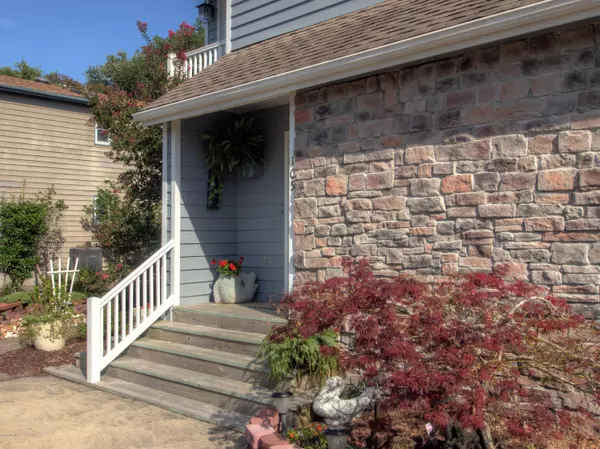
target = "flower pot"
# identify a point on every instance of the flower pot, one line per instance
(235, 289)
(47, 338)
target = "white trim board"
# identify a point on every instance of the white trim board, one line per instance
(509, 24)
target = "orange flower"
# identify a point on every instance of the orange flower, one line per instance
(292, 435)
(319, 428)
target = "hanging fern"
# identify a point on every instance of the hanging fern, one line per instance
(231, 149)
(300, 356)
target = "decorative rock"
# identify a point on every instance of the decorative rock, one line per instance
(509, 146)
(431, 204)
(556, 179)
(569, 253)
(425, 187)
(336, 185)
(456, 183)
(574, 141)
(419, 155)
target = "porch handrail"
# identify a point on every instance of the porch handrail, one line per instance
(118, 318)
(136, 273)
(198, 59)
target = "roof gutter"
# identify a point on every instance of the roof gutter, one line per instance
(43, 94)
(513, 23)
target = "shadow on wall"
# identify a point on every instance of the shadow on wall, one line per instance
(249, 221)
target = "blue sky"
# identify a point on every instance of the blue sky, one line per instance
(70, 35)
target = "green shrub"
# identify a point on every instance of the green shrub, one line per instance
(314, 356)
(125, 229)
(22, 224)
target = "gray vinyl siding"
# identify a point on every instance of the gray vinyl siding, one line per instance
(250, 220)
(260, 214)
(256, 20)
(205, 234)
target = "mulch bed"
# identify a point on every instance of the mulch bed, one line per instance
(31, 362)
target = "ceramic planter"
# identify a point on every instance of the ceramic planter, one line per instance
(235, 289)
(44, 342)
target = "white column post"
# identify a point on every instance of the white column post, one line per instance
(289, 197)
(94, 340)
(176, 209)
(165, 184)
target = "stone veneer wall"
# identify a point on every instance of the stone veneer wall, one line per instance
(463, 164)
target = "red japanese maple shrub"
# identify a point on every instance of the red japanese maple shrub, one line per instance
(476, 352)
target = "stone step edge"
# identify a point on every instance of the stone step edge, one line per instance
(191, 408)
(123, 363)
(207, 331)
(269, 319)
(232, 360)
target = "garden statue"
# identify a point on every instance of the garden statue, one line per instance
(336, 411)
(233, 286)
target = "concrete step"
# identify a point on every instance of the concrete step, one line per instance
(239, 317)
(237, 342)
(228, 394)
(172, 402)
(202, 360)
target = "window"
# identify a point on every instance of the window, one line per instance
(101, 136)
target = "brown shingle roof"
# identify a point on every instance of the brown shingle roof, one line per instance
(37, 86)
(384, 23)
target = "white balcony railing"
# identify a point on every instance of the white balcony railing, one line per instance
(199, 59)
(118, 318)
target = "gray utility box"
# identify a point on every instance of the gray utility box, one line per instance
(88, 258)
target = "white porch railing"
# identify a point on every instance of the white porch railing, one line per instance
(199, 59)
(118, 318)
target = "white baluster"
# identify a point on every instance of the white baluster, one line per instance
(130, 312)
(145, 293)
(138, 308)
(116, 320)
(164, 279)
(123, 316)
(151, 285)
(108, 326)
(158, 283)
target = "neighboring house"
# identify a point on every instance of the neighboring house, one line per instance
(46, 138)
(432, 138)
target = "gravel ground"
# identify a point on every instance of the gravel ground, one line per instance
(46, 412)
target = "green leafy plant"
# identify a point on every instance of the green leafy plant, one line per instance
(98, 282)
(126, 230)
(22, 225)
(52, 240)
(52, 305)
(314, 356)
(309, 437)
(117, 89)
(233, 148)
(228, 267)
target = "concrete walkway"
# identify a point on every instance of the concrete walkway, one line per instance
(46, 412)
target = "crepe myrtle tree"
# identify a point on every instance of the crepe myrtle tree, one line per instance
(117, 90)
(477, 352)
